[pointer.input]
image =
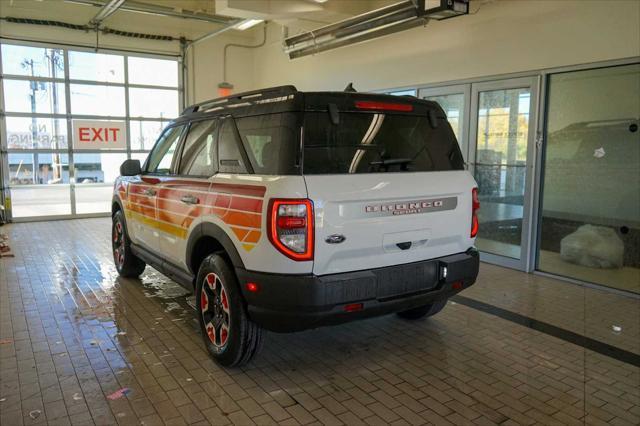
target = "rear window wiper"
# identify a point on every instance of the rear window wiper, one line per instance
(356, 146)
(388, 162)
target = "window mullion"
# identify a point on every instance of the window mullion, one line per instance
(70, 161)
(126, 105)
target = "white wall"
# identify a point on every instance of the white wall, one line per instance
(205, 62)
(502, 37)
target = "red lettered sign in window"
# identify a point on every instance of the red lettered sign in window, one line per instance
(95, 134)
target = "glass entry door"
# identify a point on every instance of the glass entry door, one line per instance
(501, 152)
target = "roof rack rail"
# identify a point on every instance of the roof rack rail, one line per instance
(242, 97)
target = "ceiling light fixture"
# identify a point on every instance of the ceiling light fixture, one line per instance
(247, 23)
(376, 23)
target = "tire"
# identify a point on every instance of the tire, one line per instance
(127, 264)
(231, 338)
(423, 311)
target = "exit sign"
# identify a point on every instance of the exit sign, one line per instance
(96, 134)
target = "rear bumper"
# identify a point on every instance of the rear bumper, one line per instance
(288, 303)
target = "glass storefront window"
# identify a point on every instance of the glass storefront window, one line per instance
(96, 67)
(97, 167)
(141, 156)
(39, 184)
(94, 176)
(34, 97)
(38, 119)
(590, 227)
(36, 133)
(153, 103)
(40, 200)
(89, 99)
(38, 168)
(145, 133)
(153, 72)
(32, 61)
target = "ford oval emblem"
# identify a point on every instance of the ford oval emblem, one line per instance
(335, 239)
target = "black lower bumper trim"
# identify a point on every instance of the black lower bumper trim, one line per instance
(297, 302)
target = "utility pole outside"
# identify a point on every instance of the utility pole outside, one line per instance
(54, 60)
(28, 63)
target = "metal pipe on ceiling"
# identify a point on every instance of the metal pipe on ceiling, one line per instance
(393, 18)
(376, 23)
(355, 20)
(154, 9)
(370, 25)
(358, 38)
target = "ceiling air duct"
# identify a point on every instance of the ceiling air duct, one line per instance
(377, 23)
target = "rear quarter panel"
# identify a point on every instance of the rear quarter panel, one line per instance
(241, 211)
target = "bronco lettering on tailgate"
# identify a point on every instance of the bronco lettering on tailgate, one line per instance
(412, 207)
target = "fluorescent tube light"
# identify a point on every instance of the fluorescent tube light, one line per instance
(247, 23)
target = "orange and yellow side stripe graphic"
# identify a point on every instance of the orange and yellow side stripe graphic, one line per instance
(239, 206)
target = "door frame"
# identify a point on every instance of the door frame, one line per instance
(524, 263)
(455, 89)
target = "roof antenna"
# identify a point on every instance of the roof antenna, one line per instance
(350, 88)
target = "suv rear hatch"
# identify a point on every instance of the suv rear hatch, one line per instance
(387, 181)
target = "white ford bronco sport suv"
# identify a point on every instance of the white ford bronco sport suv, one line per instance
(286, 211)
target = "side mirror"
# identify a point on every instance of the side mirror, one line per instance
(130, 168)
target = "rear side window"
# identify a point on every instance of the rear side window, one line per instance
(229, 144)
(161, 158)
(377, 143)
(198, 154)
(271, 142)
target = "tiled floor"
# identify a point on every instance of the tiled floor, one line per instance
(72, 333)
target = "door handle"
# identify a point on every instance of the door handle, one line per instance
(189, 199)
(149, 192)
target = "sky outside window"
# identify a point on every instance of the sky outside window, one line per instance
(96, 67)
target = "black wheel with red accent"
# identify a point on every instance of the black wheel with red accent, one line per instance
(423, 311)
(230, 336)
(127, 264)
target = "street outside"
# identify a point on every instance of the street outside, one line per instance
(53, 200)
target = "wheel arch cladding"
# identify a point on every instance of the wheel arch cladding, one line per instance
(115, 206)
(208, 238)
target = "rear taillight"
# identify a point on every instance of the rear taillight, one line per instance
(291, 228)
(475, 205)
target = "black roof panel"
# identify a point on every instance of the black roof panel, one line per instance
(288, 98)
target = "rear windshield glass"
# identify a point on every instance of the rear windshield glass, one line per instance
(377, 143)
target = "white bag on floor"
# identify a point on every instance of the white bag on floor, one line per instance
(593, 246)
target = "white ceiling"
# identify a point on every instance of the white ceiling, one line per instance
(304, 14)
